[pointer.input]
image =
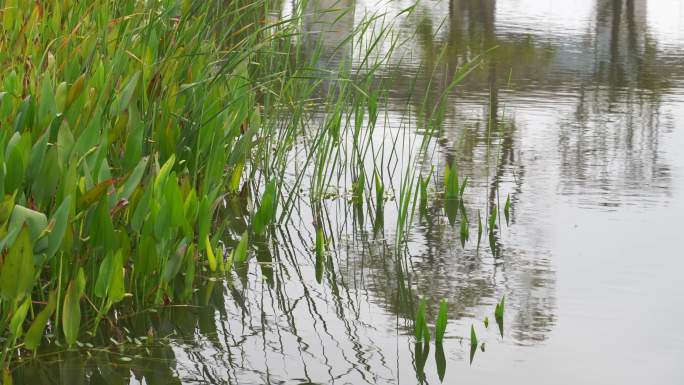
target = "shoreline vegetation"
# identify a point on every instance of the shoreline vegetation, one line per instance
(128, 125)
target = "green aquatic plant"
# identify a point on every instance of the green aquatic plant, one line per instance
(473, 343)
(423, 183)
(119, 145)
(320, 254)
(492, 230)
(441, 323)
(499, 314)
(451, 192)
(422, 333)
(507, 208)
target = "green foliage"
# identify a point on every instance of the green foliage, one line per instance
(266, 212)
(71, 314)
(320, 254)
(18, 269)
(507, 209)
(35, 332)
(421, 328)
(440, 325)
(117, 146)
(240, 253)
(473, 336)
(499, 315)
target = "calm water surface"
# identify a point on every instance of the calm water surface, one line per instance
(578, 114)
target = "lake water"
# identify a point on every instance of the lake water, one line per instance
(577, 115)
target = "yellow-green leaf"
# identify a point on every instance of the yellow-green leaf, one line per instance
(210, 254)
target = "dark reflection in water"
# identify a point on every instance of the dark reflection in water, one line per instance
(572, 115)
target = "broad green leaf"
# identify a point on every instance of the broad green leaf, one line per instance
(133, 180)
(36, 222)
(16, 165)
(240, 253)
(61, 96)
(266, 211)
(210, 254)
(65, 144)
(499, 314)
(102, 229)
(16, 323)
(235, 177)
(37, 155)
(18, 270)
(80, 280)
(75, 90)
(134, 141)
(175, 261)
(123, 98)
(89, 138)
(141, 211)
(71, 312)
(47, 106)
(116, 283)
(191, 208)
(59, 224)
(104, 276)
(175, 199)
(164, 172)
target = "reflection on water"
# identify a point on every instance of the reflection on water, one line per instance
(574, 115)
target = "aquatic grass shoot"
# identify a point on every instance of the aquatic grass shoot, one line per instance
(441, 323)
